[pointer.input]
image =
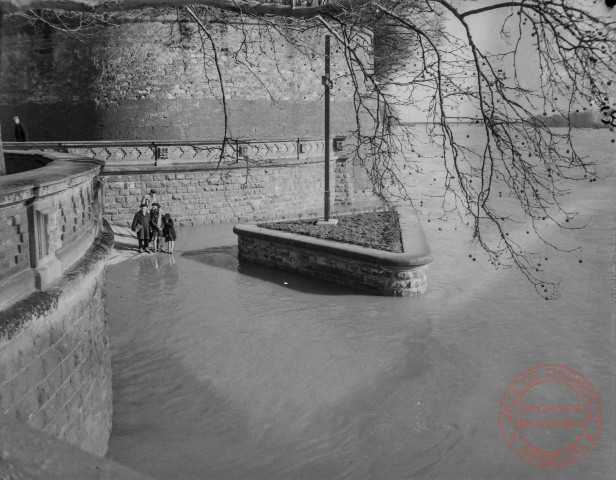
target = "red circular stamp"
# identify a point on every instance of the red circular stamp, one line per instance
(550, 416)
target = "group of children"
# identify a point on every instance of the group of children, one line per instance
(152, 227)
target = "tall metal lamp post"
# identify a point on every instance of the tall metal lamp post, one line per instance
(327, 83)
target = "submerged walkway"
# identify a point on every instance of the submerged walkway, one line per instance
(125, 245)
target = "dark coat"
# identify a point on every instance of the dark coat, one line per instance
(142, 220)
(156, 221)
(21, 134)
(169, 230)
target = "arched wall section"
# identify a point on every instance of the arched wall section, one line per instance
(155, 79)
(55, 369)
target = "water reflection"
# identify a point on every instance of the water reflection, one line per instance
(226, 257)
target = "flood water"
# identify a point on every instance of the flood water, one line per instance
(222, 371)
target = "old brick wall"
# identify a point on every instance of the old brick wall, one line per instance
(152, 79)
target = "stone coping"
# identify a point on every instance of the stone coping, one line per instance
(163, 166)
(160, 143)
(62, 171)
(416, 250)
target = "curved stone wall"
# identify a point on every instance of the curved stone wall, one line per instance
(151, 78)
(49, 217)
(266, 180)
(55, 369)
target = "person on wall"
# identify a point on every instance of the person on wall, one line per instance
(21, 134)
(141, 227)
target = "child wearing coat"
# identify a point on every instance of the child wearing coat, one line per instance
(169, 232)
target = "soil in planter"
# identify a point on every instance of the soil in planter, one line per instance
(379, 230)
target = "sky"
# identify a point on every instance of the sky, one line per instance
(486, 31)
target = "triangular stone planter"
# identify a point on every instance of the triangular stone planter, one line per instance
(384, 273)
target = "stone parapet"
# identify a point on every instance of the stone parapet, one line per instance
(377, 271)
(55, 369)
(127, 155)
(49, 217)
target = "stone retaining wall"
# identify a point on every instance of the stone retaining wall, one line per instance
(55, 363)
(212, 196)
(55, 369)
(384, 273)
(257, 180)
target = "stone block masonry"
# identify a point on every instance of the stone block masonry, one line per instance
(376, 271)
(55, 369)
(49, 217)
(256, 179)
(55, 364)
(268, 180)
(215, 196)
(150, 78)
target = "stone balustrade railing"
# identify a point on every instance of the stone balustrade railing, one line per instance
(49, 217)
(126, 155)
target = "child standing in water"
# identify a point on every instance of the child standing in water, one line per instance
(169, 232)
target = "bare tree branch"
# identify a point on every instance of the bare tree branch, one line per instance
(422, 54)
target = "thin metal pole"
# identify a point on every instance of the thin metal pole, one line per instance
(327, 84)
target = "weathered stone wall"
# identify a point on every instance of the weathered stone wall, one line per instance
(16, 274)
(255, 180)
(49, 218)
(331, 264)
(285, 189)
(153, 79)
(55, 364)
(55, 370)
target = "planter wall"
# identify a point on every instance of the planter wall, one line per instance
(376, 271)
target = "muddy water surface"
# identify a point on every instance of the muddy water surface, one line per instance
(224, 371)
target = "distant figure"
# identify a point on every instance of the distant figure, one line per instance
(149, 198)
(141, 227)
(156, 226)
(21, 134)
(169, 233)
